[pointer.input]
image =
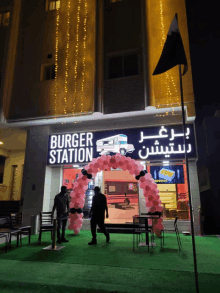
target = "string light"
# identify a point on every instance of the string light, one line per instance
(76, 57)
(56, 55)
(84, 57)
(67, 57)
(168, 77)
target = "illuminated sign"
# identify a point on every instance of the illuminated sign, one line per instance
(153, 143)
(167, 174)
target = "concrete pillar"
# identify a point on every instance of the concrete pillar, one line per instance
(34, 172)
(194, 187)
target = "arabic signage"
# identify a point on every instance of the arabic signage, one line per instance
(153, 143)
(167, 174)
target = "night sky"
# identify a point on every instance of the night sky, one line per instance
(204, 37)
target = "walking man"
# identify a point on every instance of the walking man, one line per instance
(61, 204)
(97, 214)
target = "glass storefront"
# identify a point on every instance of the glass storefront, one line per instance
(122, 190)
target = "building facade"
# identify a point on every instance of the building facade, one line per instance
(83, 69)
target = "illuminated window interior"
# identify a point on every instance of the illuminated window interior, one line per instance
(4, 19)
(53, 5)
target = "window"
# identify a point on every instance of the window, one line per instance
(52, 5)
(2, 167)
(4, 19)
(123, 65)
(113, 1)
(48, 72)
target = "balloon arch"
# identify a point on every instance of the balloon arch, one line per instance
(151, 193)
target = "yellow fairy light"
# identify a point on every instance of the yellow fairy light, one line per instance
(76, 57)
(67, 57)
(56, 54)
(167, 77)
(84, 57)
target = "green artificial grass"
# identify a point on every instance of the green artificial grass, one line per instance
(108, 267)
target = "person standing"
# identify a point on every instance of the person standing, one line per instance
(61, 204)
(97, 214)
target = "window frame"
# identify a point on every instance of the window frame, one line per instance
(43, 73)
(2, 18)
(123, 54)
(49, 2)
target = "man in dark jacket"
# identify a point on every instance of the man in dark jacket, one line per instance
(97, 214)
(61, 204)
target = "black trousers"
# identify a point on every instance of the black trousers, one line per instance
(100, 222)
(61, 224)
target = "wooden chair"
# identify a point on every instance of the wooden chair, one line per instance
(46, 224)
(17, 224)
(175, 229)
(6, 228)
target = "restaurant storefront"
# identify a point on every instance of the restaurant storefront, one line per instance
(160, 149)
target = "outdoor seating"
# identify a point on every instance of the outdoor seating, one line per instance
(141, 226)
(17, 224)
(3, 235)
(175, 229)
(6, 228)
(46, 224)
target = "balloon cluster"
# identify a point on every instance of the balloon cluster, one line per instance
(151, 193)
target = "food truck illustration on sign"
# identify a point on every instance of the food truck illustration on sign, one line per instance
(114, 144)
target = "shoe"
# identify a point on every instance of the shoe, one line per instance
(59, 241)
(92, 242)
(64, 240)
(107, 238)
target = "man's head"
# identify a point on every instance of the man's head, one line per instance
(63, 189)
(97, 190)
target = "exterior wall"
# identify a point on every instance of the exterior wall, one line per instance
(164, 88)
(53, 182)
(37, 39)
(13, 158)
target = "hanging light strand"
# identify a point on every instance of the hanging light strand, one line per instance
(76, 57)
(67, 57)
(84, 56)
(56, 55)
(168, 75)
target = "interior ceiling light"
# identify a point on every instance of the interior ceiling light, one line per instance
(1, 142)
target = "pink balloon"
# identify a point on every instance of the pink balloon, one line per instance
(160, 208)
(159, 226)
(149, 204)
(157, 232)
(150, 198)
(136, 172)
(74, 216)
(147, 188)
(155, 203)
(76, 231)
(89, 170)
(96, 165)
(148, 176)
(146, 194)
(160, 220)
(142, 179)
(152, 209)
